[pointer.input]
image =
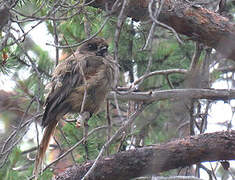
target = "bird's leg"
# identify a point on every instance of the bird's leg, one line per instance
(83, 119)
(85, 133)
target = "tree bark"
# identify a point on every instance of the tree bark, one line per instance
(198, 23)
(158, 95)
(5, 16)
(158, 158)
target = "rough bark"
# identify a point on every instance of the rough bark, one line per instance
(158, 158)
(5, 15)
(157, 95)
(198, 23)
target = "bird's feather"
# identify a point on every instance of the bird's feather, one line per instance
(89, 69)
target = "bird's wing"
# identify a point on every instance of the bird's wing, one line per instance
(66, 77)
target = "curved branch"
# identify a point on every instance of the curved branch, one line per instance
(196, 22)
(158, 158)
(160, 72)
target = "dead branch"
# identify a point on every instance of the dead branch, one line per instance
(212, 94)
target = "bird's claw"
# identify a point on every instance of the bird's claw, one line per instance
(82, 118)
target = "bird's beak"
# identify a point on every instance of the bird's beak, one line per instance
(102, 51)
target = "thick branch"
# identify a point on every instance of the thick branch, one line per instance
(158, 158)
(198, 23)
(213, 94)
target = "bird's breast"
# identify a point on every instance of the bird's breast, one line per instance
(96, 85)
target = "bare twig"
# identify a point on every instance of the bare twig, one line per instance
(56, 42)
(118, 132)
(50, 13)
(71, 149)
(164, 25)
(109, 122)
(22, 127)
(160, 72)
(78, 44)
(66, 140)
(152, 29)
(121, 18)
(177, 178)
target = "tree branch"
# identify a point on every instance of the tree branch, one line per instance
(194, 21)
(212, 94)
(158, 158)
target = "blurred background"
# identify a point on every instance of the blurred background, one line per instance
(28, 32)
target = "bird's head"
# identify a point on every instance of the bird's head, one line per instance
(96, 46)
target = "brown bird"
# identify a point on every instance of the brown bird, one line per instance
(91, 71)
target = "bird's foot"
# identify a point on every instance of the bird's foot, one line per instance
(86, 117)
(83, 121)
(82, 118)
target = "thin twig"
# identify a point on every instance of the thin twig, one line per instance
(152, 29)
(70, 149)
(56, 42)
(107, 144)
(78, 44)
(66, 140)
(109, 122)
(121, 18)
(50, 13)
(164, 25)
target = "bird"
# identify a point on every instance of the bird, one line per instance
(88, 72)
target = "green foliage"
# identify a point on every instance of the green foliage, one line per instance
(8, 63)
(166, 53)
(43, 61)
(73, 135)
(46, 175)
(9, 170)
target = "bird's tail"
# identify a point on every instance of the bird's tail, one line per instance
(43, 147)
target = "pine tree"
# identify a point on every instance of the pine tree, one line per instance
(167, 68)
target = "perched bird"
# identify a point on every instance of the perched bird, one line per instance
(89, 71)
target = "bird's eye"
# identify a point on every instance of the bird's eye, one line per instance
(92, 47)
